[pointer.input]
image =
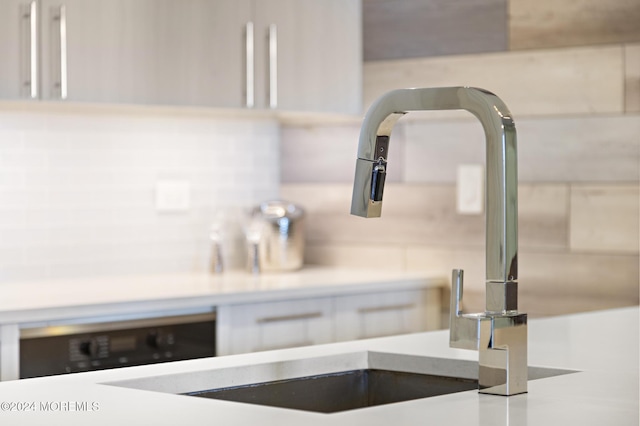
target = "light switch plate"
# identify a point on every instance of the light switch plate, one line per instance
(173, 196)
(470, 189)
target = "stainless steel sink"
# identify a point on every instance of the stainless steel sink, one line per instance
(327, 384)
(348, 390)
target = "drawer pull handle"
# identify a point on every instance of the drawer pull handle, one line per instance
(283, 318)
(387, 308)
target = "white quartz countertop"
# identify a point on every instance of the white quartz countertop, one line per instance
(50, 300)
(602, 346)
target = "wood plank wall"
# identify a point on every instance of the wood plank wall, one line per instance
(421, 28)
(570, 74)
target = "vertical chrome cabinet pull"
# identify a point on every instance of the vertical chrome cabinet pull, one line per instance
(249, 62)
(63, 52)
(33, 46)
(273, 66)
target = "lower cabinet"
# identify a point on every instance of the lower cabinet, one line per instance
(274, 325)
(365, 316)
(263, 326)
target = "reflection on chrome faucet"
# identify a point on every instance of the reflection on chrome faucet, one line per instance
(503, 412)
(499, 333)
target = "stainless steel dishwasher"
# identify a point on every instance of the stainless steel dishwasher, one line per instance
(74, 347)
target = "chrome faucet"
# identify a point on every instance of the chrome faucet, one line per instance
(499, 333)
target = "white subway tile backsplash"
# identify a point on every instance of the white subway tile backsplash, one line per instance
(17, 272)
(11, 219)
(77, 188)
(11, 179)
(12, 256)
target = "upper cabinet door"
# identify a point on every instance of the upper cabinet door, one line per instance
(312, 55)
(298, 55)
(18, 49)
(166, 52)
(200, 52)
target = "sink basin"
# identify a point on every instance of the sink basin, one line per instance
(355, 389)
(326, 384)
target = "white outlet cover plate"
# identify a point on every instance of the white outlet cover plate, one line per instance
(470, 189)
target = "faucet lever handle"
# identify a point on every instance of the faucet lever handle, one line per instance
(465, 330)
(457, 277)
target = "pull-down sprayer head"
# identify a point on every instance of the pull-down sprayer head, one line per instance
(371, 168)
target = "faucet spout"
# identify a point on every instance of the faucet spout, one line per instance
(501, 169)
(470, 331)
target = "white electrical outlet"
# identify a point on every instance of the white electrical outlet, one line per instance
(470, 189)
(173, 196)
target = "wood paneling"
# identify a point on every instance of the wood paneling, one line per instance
(579, 149)
(542, 216)
(417, 28)
(605, 218)
(632, 77)
(535, 24)
(442, 260)
(420, 231)
(328, 153)
(353, 255)
(577, 274)
(545, 82)
(549, 283)
(568, 149)
(426, 214)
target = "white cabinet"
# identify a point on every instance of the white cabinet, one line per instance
(165, 52)
(98, 51)
(172, 52)
(283, 54)
(76, 49)
(365, 316)
(314, 48)
(273, 325)
(283, 324)
(198, 52)
(17, 49)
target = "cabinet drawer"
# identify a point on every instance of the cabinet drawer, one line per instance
(381, 314)
(274, 325)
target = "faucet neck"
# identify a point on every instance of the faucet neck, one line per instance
(501, 167)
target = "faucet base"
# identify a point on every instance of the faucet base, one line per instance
(500, 339)
(503, 362)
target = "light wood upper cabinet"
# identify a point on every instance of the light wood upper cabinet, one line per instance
(199, 52)
(285, 54)
(97, 51)
(16, 49)
(319, 54)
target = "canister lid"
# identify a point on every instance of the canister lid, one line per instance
(278, 209)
